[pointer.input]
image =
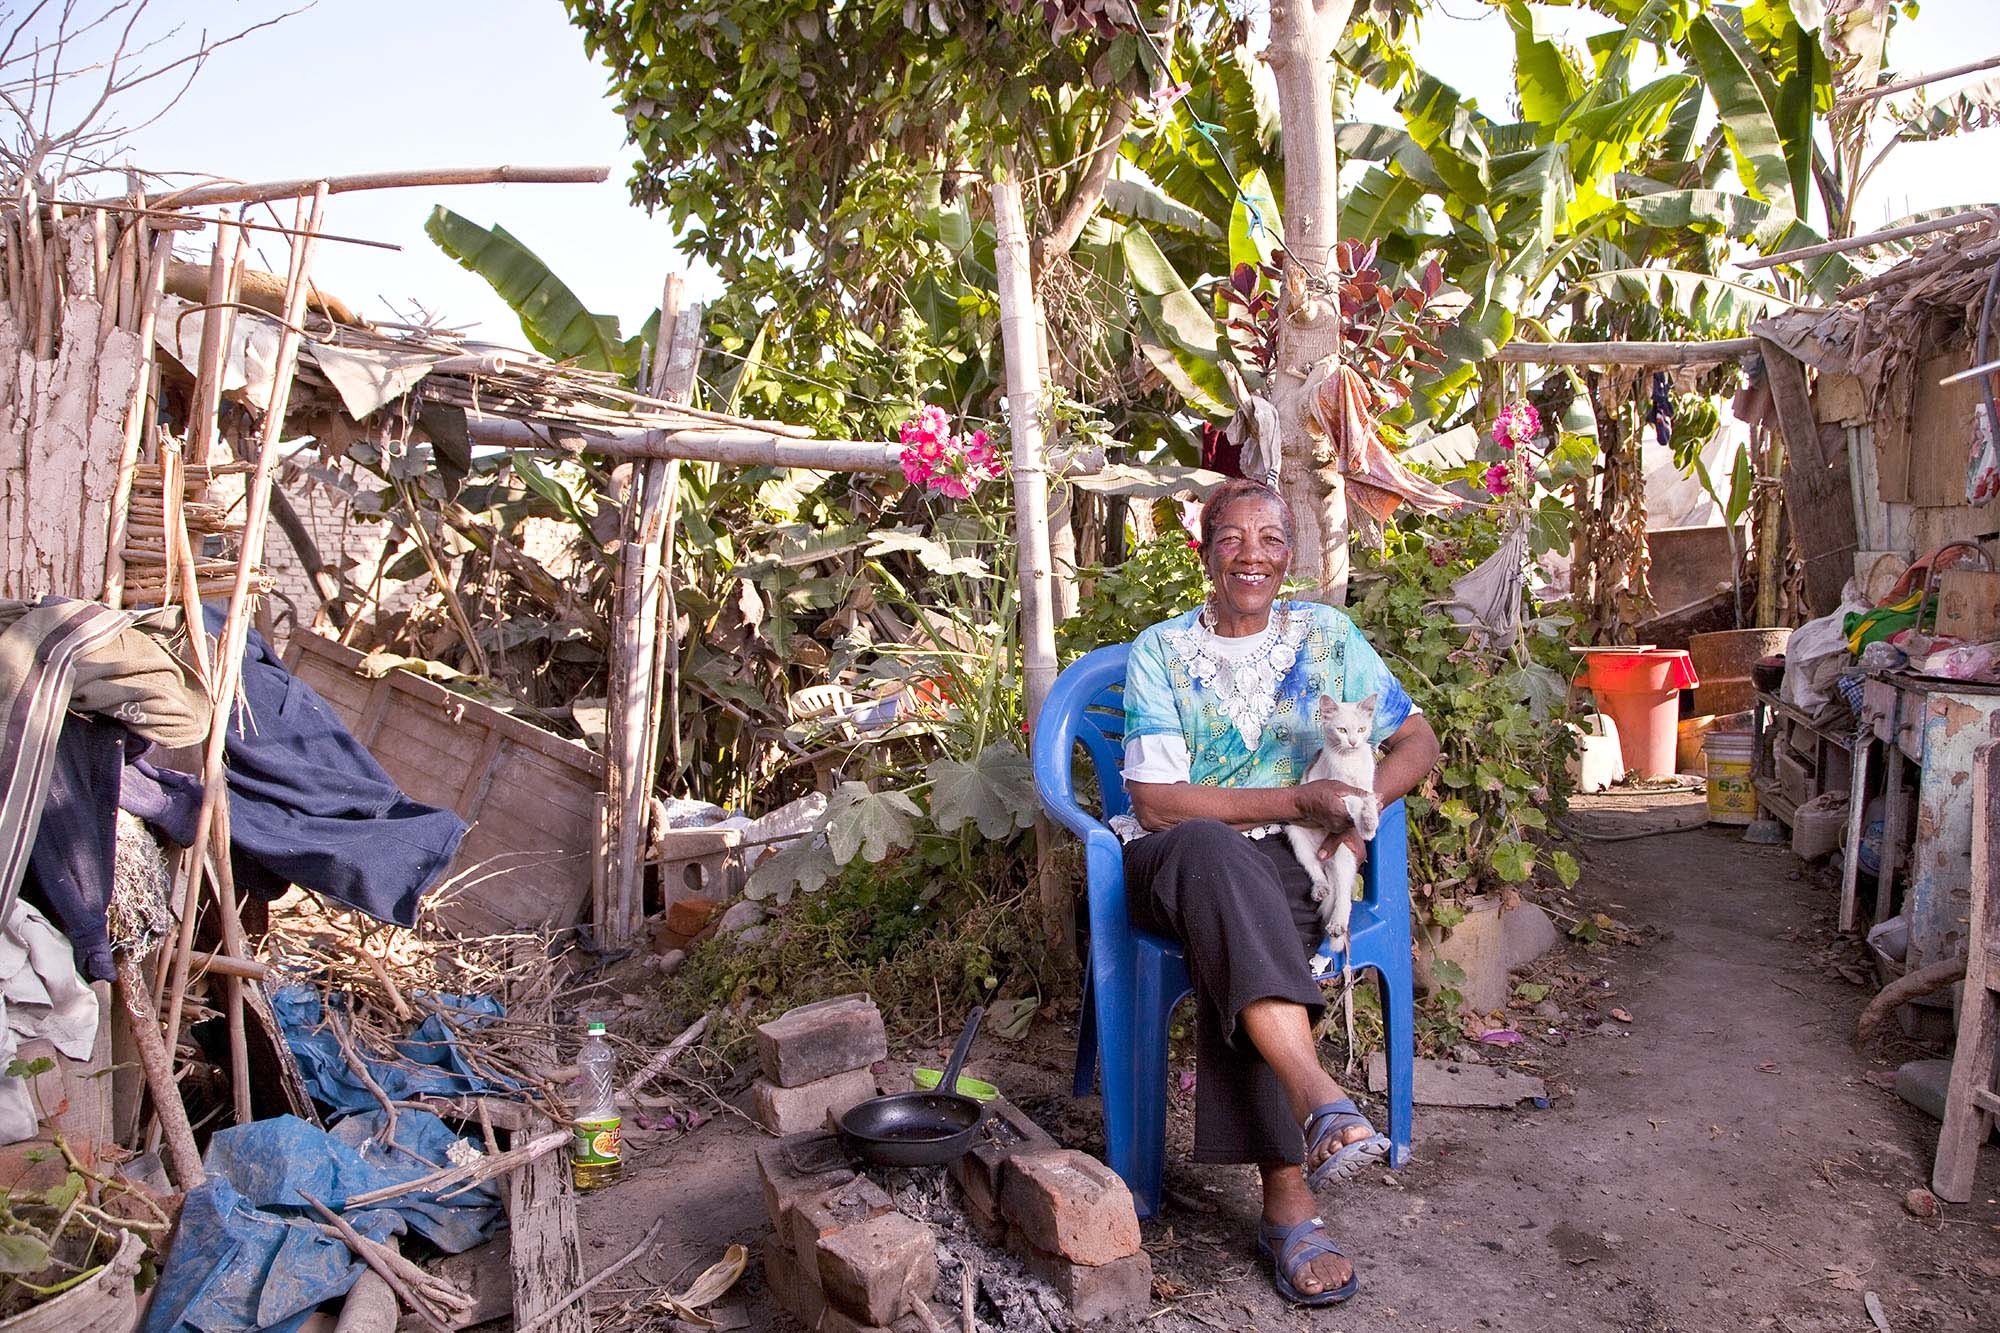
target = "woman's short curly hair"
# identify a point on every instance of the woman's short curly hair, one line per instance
(1229, 493)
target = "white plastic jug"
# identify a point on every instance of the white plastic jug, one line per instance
(1598, 762)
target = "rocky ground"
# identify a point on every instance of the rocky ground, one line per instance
(1725, 1160)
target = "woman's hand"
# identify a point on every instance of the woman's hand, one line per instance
(1323, 802)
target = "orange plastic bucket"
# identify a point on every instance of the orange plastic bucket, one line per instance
(1641, 690)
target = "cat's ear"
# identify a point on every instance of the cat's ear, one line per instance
(1328, 707)
(1368, 704)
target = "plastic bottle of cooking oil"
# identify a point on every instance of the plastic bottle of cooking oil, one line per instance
(594, 1151)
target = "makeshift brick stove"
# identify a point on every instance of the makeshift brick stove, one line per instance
(854, 1250)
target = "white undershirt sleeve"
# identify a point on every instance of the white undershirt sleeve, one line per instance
(1157, 758)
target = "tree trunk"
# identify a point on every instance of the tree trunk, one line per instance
(1300, 54)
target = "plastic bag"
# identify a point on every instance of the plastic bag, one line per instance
(1982, 469)
(1814, 655)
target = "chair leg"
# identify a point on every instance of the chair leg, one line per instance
(1146, 1153)
(1084, 1081)
(1400, 1030)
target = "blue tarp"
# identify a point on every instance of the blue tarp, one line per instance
(333, 1082)
(249, 1257)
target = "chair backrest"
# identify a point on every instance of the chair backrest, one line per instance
(1086, 706)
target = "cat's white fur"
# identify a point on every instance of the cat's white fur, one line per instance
(1346, 756)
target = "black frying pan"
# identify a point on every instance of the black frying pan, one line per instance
(917, 1128)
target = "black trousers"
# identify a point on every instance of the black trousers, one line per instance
(1242, 911)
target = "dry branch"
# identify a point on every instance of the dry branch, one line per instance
(365, 1251)
(1908, 987)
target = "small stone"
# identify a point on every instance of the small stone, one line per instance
(741, 916)
(815, 1041)
(1549, 1010)
(1921, 1202)
(753, 934)
(1069, 1204)
(670, 962)
(1118, 1290)
(796, 1110)
(873, 1270)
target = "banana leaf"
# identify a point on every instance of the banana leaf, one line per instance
(554, 320)
(1747, 103)
(1713, 304)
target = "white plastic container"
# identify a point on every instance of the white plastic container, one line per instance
(1598, 762)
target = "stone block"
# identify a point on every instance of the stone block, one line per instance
(1070, 1204)
(1095, 1293)
(817, 1216)
(873, 1270)
(786, 1111)
(1006, 1130)
(794, 1287)
(796, 1166)
(816, 1041)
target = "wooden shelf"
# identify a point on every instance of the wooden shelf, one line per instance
(1796, 716)
(1773, 801)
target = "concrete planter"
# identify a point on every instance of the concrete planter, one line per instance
(1489, 944)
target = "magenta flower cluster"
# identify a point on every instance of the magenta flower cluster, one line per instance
(1517, 424)
(936, 458)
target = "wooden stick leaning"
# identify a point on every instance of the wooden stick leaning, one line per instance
(365, 1251)
(548, 1316)
(236, 622)
(659, 1064)
(183, 1161)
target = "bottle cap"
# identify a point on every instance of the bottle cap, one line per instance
(595, 1028)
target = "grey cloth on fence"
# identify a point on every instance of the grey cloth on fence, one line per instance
(1242, 911)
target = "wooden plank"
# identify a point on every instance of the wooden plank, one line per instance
(1818, 499)
(1968, 1118)
(528, 795)
(544, 1250)
(1941, 433)
(1627, 354)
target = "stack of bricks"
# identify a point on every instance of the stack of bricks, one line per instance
(816, 1060)
(1068, 1216)
(840, 1258)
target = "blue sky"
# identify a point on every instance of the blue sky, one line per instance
(370, 85)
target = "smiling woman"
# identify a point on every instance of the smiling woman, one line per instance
(1220, 705)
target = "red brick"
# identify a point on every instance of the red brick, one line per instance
(831, 1320)
(685, 921)
(794, 1288)
(799, 1165)
(1120, 1290)
(872, 1271)
(1070, 1204)
(1005, 1131)
(816, 1216)
(786, 1111)
(816, 1041)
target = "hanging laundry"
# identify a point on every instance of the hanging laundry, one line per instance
(63, 654)
(1338, 412)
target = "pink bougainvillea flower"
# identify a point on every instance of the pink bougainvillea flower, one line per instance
(949, 464)
(1517, 424)
(1497, 481)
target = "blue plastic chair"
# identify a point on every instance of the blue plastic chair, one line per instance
(1135, 979)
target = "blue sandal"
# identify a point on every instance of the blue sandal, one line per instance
(1291, 1248)
(1349, 1159)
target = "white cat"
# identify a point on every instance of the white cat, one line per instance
(1345, 757)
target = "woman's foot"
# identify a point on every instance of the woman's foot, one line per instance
(1287, 1202)
(1340, 1143)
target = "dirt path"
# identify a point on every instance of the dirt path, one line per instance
(1721, 1164)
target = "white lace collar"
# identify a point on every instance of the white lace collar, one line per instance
(1245, 685)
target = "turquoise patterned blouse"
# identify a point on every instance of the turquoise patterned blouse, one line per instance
(1264, 732)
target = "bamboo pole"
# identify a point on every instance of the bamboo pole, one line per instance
(202, 196)
(218, 323)
(746, 448)
(228, 665)
(1626, 354)
(633, 640)
(135, 421)
(1867, 239)
(1024, 419)
(1915, 81)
